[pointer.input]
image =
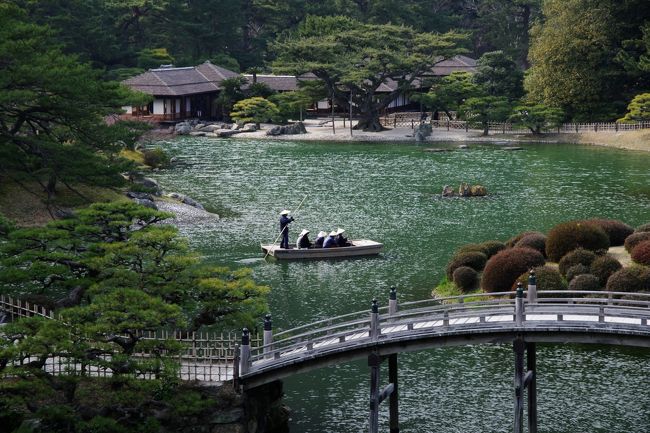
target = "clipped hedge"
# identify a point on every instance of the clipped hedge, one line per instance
(548, 278)
(502, 270)
(603, 267)
(576, 270)
(643, 228)
(641, 253)
(510, 243)
(587, 282)
(616, 230)
(473, 259)
(630, 279)
(535, 241)
(570, 235)
(575, 257)
(489, 248)
(466, 279)
(634, 239)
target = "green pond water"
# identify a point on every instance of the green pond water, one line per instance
(389, 192)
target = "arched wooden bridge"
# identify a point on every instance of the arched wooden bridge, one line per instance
(615, 318)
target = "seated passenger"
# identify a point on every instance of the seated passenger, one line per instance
(318, 243)
(341, 241)
(330, 240)
(303, 240)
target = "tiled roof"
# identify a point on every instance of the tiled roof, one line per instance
(456, 63)
(180, 81)
(280, 83)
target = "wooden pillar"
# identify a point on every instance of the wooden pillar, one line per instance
(531, 361)
(394, 399)
(374, 362)
(519, 347)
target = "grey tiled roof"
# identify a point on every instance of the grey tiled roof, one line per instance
(280, 83)
(180, 81)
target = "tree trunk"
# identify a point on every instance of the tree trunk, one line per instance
(51, 186)
(486, 129)
(369, 123)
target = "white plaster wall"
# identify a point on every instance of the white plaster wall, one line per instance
(128, 109)
(158, 106)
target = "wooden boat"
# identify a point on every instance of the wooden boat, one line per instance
(359, 247)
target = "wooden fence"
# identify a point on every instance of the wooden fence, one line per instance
(205, 356)
(412, 119)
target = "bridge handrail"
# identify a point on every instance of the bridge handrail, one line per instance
(501, 303)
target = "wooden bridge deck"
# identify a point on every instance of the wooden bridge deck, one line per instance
(561, 317)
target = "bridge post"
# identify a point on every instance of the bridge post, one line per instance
(268, 334)
(392, 301)
(532, 286)
(374, 360)
(518, 347)
(374, 320)
(245, 352)
(393, 403)
(531, 365)
(519, 305)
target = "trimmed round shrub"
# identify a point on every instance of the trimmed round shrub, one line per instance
(472, 259)
(576, 270)
(466, 279)
(630, 279)
(489, 248)
(568, 236)
(578, 256)
(548, 278)
(634, 239)
(503, 269)
(603, 267)
(616, 230)
(643, 228)
(535, 241)
(155, 158)
(587, 282)
(510, 243)
(641, 253)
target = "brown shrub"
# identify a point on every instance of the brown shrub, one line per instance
(577, 256)
(548, 278)
(634, 239)
(616, 230)
(535, 241)
(641, 253)
(473, 259)
(510, 243)
(643, 228)
(630, 279)
(503, 269)
(576, 270)
(466, 279)
(603, 267)
(570, 235)
(587, 282)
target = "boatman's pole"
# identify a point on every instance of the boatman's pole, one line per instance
(285, 227)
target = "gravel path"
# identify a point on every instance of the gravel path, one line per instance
(185, 214)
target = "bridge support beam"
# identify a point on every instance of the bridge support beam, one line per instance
(525, 380)
(377, 395)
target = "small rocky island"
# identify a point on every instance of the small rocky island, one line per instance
(464, 190)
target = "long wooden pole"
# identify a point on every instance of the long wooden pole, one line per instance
(394, 399)
(285, 227)
(531, 361)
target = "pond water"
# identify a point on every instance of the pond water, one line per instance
(389, 192)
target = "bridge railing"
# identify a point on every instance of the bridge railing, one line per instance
(357, 328)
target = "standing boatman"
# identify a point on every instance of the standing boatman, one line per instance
(285, 219)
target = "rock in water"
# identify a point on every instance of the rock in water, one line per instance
(183, 128)
(447, 191)
(478, 191)
(422, 131)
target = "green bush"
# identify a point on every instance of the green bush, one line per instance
(586, 282)
(630, 279)
(503, 269)
(155, 158)
(576, 270)
(489, 248)
(466, 279)
(603, 267)
(634, 239)
(472, 259)
(578, 256)
(6, 226)
(616, 230)
(548, 278)
(536, 241)
(643, 228)
(641, 253)
(510, 243)
(570, 235)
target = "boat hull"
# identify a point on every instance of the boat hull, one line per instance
(360, 247)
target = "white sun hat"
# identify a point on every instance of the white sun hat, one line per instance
(340, 230)
(303, 232)
(285, 212)
(322, 234)
(333, 233)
